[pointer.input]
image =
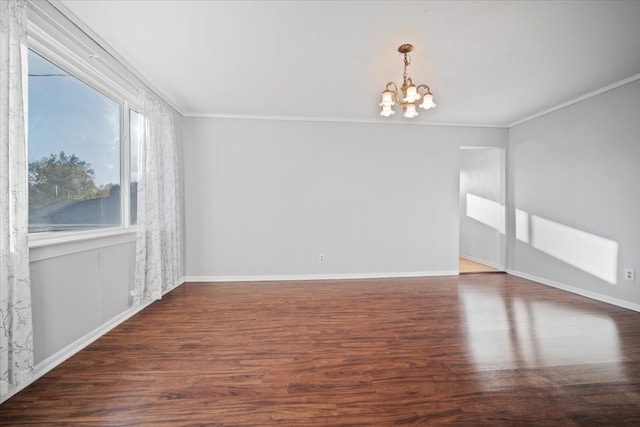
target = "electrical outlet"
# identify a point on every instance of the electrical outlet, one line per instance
(629, 274)
(321, 258)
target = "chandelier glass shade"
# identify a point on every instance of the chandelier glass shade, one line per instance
(408, 95)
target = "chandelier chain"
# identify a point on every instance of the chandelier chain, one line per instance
(407, 61)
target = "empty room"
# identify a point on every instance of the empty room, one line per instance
(319, 212)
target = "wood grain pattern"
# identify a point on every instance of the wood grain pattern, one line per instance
(470, 350)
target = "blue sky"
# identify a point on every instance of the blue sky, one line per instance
(67, 115)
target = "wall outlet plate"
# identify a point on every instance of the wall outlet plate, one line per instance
(629, 274)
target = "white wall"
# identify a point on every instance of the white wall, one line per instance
(482, 219)
(77, 290)
(573, 176)
(263, 199)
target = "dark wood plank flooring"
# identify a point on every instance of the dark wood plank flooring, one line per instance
(471, 350)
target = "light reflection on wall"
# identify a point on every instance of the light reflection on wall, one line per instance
(486, 211)
(516, 332)
(590, 253)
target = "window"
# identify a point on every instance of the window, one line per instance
(74, 152)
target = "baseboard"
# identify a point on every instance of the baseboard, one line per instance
(585, 293)
(301, 277)
(60, 356)
(482, 261)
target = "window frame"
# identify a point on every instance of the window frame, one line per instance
(75, 57)
(131, 109)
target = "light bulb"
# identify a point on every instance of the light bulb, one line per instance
(410, 111)
(427, 101)
(387, 111)
(412, 94)
(387, 99)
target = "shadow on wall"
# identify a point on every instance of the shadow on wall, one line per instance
(588, 252)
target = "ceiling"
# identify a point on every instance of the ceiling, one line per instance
(488, 63)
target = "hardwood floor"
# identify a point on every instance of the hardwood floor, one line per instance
(471, 350)
(468, 266)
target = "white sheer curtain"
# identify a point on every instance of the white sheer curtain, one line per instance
(16, 331)
(158, 240)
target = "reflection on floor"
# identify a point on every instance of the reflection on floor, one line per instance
(467, 266)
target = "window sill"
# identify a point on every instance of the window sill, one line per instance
(49, 245)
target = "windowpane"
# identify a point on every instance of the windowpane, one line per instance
(74, 152)
(134, 123)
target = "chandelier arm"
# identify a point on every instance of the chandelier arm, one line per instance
(394, 91)
(424, 86)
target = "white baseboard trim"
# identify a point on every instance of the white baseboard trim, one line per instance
(301, 277)
(60, 356)
(583, 292)
(482, 261)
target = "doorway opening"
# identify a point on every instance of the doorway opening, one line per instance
(482, 246)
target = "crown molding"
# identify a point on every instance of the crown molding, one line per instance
(576, 100)
(416, 123)
(335, 120)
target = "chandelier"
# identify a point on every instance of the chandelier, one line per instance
(409, 95)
